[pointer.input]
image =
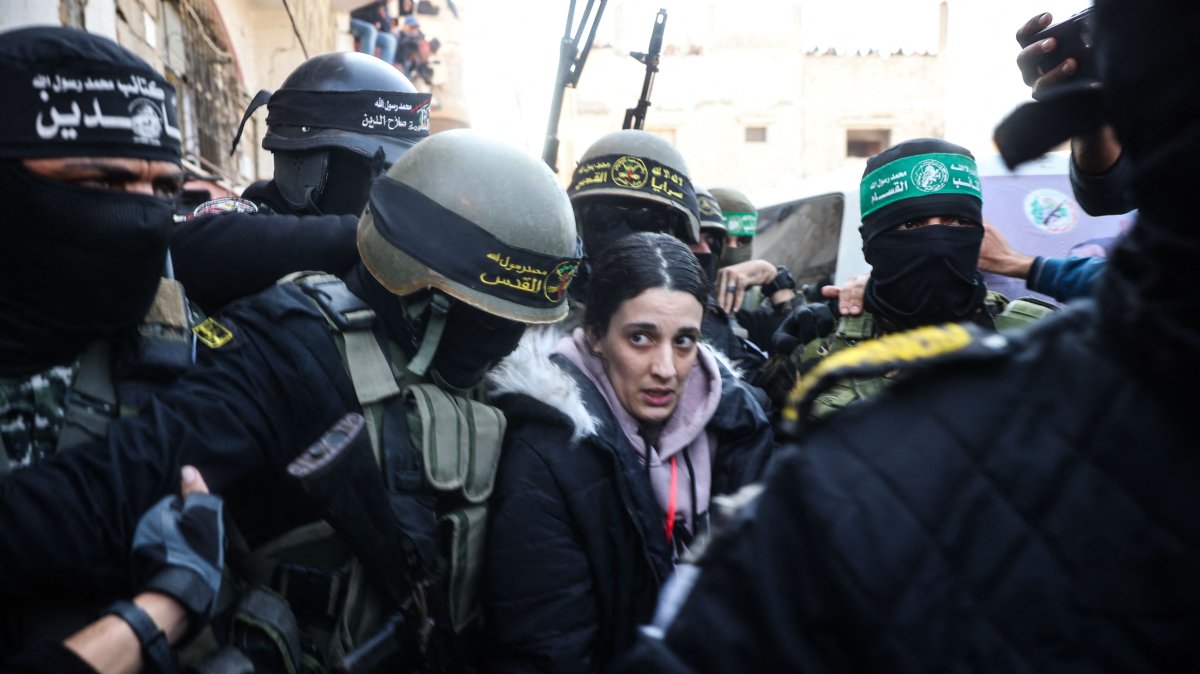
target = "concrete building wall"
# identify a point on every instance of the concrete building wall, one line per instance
(761, 117)
(746, 105)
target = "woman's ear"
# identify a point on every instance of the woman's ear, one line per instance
(593, 341)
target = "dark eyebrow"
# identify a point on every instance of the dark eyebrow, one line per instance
(119, 172)
(641, 326)
(108, 170)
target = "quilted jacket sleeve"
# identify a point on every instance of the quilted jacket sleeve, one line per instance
(537, 585)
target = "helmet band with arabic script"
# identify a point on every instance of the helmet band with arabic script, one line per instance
(633, 173)
(385, 113)
(460, 250)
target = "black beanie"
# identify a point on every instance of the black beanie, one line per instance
(71, 93)
(918, 178)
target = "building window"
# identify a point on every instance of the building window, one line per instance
(756, 134)
(867, 142)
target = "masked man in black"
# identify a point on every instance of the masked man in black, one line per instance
(335, 124)
(464, 242)
(89, 165)
(1022, 502)
(922, 227)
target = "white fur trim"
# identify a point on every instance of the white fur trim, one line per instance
(724, 360)
(529, 371)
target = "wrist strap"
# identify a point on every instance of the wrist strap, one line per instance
(156, 654)
(783, 280)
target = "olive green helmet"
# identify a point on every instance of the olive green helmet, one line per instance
(711, 217)
(741, 217)
(479, 220)
(637, 165)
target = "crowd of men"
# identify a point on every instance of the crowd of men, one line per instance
(262, 440)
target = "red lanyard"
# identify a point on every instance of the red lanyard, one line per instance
(671, 500)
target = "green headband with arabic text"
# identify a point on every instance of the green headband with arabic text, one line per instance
(921, 175)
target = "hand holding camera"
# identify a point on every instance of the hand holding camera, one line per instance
(1053, 54)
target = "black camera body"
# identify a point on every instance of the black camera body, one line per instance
(1074, 37)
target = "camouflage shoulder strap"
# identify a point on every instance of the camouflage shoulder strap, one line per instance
(894, 353)
(93, 400)
(850, 331)
(1023, 312)
(91, 403)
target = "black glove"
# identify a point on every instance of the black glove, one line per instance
(178, 550)
(806, 323)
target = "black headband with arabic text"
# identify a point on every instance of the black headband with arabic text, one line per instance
(386, 113)
(638, 174)
(64, 110)
(463, 252)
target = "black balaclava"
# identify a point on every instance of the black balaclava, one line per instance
(708, 262)
(325, 181)
(926, 275)
(76, 263)
(736, 255)
(471, 343)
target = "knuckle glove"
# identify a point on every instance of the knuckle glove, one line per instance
(179, 550)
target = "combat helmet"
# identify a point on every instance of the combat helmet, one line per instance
(741, 217)
(631, 166)
(741, 223)
(342, 116)
(478, 220)
(711, 217)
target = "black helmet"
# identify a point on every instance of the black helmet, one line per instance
(337, 121)
(351, 86)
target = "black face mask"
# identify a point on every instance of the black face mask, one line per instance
(925, 276)
(731, 256)
(708, 262)
(601, 224)
(325, 182)
(75, 264)
(348, 185)
(472, 340)
(471, 344)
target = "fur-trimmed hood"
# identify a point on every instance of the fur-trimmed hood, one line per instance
(529, 371)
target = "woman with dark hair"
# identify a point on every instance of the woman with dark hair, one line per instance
(618, 437)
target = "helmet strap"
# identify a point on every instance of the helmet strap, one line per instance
(260, 99)
(439, 309)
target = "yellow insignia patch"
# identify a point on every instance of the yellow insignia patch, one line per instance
(212, 334)
(890, 350)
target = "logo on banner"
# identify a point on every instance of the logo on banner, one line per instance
(930, 175)
(630, 172)
(1051, 211)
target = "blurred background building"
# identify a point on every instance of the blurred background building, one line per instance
(758, 94)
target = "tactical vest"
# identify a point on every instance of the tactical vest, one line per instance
(114, 381)
(430, 444)
(1008, 315)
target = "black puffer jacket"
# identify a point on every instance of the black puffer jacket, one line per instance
(1018, 508)
(576, 552)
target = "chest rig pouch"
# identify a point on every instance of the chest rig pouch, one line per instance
(850, 331)
(438, 452)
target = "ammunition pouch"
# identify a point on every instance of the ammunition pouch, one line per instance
(438, 453)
